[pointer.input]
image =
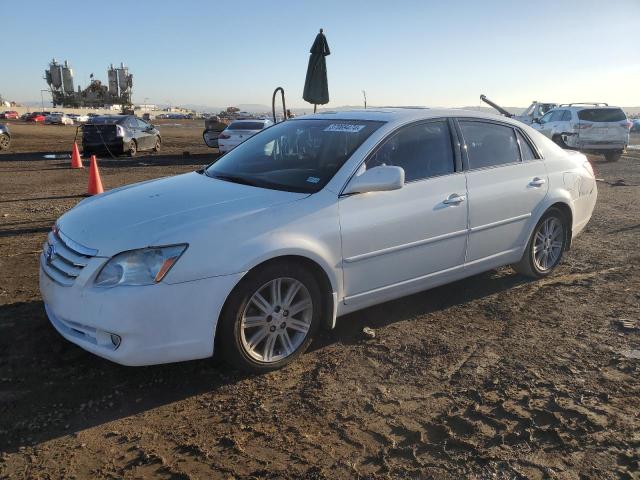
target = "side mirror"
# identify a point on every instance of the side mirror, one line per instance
(378, 179)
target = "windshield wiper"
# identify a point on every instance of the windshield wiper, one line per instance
(234, 179)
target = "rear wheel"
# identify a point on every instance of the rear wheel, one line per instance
(132, 149)
(612, 156)
(5, 141)
(158, 144)
(546, 246)
(559, 141)
(270, 318)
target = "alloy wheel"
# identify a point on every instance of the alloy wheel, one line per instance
(548, 243)
(276, 320)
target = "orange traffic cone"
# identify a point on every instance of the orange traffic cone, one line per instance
(95, 184)
(76, 162)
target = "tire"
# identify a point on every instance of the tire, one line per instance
(133, 148)
(612, 156)
(263, 338)
(5, 141)
(544, 236)
(557, 139)
(158, 144)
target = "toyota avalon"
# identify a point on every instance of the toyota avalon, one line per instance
(305, 221)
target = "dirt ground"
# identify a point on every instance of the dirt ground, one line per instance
(494, 377)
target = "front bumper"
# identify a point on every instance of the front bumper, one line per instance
(152, 324)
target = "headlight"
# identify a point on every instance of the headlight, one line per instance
(139, 267)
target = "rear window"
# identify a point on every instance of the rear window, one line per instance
(602, 115)
(104, 120)
(246, 126)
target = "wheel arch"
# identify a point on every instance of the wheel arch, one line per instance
(565, 208)
(317, 266)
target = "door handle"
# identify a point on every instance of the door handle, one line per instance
(454, 199)
(537, 182)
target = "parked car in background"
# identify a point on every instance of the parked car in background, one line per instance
(213, 127)
(58, 119)
(310, 219)
(635, 127)
(5, 136)
(239, 131)
(35, 117)
(590, 128)
(119, 134)
(78, 118)
(10, 115)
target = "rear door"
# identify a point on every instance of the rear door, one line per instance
(146, 132)
(603, 125)
(506, 183)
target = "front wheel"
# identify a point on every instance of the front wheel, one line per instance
(158, 144)
(546, 246)
(133, 148)
(270, 318)
(4, 141)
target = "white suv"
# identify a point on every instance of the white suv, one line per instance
(591, 128)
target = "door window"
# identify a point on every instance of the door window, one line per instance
(422, 150)
(566, 116)
(489, 144)
(525, 148)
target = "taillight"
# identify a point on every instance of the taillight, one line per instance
(627, 124)
(223, 136)
(583, 126)
(119, 131)
(589, 168)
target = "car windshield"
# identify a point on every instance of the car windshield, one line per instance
(297, 155)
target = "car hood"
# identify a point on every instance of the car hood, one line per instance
(163, 211)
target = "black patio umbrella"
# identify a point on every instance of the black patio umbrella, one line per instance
(316, 88)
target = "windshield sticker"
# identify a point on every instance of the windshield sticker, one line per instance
(344, 127)
(313, 179)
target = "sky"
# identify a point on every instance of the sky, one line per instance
(402, 52)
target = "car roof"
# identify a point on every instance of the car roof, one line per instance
(401, 115)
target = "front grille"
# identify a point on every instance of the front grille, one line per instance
(63, 259)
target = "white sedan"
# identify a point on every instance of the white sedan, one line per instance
(58, 119)
(237, 132)
(308, 220)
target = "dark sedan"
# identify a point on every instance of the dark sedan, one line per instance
(5, 137)
(119, 135)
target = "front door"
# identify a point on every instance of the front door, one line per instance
(390, 240)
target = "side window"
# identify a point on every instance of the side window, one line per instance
(142, 124)
(131, 122)
(422, 150)
(525, 148)
(566, 116)
(489, 144)
(556, 115)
